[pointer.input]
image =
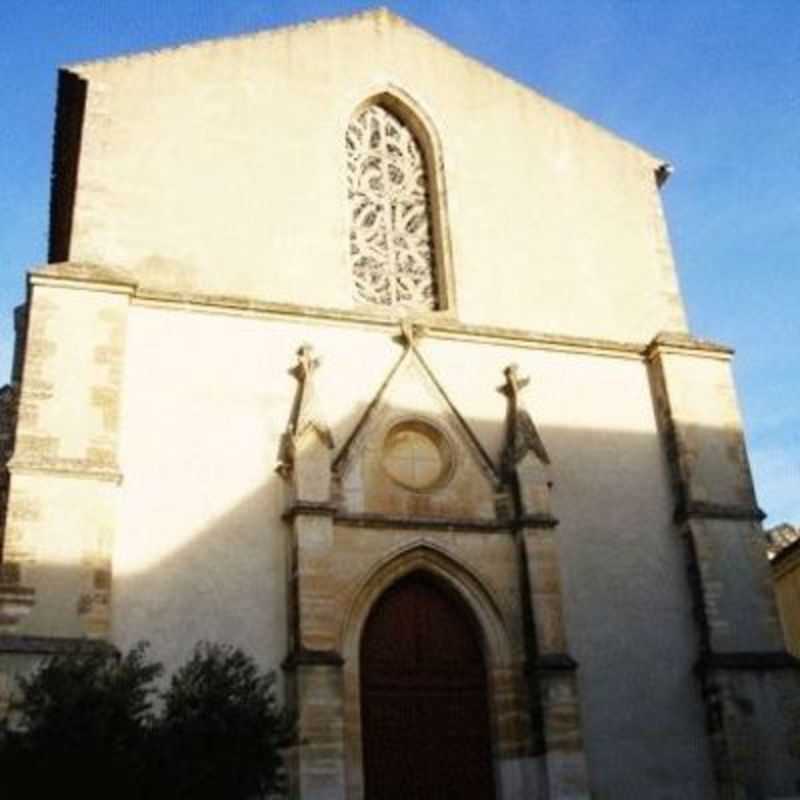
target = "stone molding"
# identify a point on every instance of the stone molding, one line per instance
(536, 521)
(16, 592)
(685, 344)
(697, 509)
(305, 657)
(416, 523)
(438, 325)
(97, 277)
(88, 277)
(50, 645)
(748, 660)
(306, 508)
(552, 662)
(16, 602)
(66, 467)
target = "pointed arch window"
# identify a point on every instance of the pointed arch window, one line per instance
(392, 244)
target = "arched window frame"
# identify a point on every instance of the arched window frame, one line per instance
(416, 119)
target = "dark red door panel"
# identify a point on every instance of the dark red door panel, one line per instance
(425, 716)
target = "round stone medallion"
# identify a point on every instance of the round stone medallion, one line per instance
(417, 455)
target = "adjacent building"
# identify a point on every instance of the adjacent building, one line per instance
(783, 550)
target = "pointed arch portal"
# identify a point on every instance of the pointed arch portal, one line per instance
(424, 705)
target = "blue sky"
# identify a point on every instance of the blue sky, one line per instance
(712, 86)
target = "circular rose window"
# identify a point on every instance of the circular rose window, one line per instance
(417, 456)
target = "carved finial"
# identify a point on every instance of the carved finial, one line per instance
(521, 434)
(305, 413)
(514, 384)
(410, 332)
(306, 363)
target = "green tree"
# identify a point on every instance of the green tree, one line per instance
(222, 728)
(83, 724)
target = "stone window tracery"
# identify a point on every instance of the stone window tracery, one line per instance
(391, 243)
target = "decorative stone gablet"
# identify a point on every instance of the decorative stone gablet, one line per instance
(460, 484)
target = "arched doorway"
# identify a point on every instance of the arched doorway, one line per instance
(425, 717)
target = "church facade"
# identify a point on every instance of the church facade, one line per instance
(354, 353)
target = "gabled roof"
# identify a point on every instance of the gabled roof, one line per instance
(383, 18)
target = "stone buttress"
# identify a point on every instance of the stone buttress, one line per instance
(62, 480)
(750, 684)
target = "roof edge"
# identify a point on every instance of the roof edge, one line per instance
(377, 12)
(382, 15)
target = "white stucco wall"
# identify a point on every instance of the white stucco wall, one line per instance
(219, 168)
(200, 552)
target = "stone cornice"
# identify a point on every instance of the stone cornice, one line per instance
(531, 521)
(430, 523)
(436, 326)
(66, 467)
(747, 660)
(305, 508)
(552, 663)
(685, 344)
(50, 645)
(696, 509)
(78, 275)
(442, 325)
(382, 521)
(305, 657)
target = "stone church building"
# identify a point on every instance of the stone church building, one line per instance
(357, 354)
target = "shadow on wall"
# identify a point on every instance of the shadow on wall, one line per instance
(623, 563)
(622, 559)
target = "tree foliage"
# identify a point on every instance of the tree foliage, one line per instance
(222, 728)
(83, 720)
(86, 722)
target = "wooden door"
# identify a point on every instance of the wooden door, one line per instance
(424, 707)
